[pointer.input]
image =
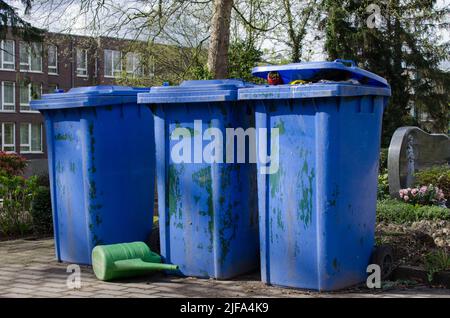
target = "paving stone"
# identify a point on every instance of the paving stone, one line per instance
(29, 268)
(113, 292)
(111, 287)
(19, 290)
(142, 296)
(80, 293)
(12, 295)
(140, 291)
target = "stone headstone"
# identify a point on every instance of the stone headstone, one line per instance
(413, 150)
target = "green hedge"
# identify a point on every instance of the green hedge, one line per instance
(394, 211)
(438, 176)
(41, 211)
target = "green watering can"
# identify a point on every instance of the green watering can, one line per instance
(126, 260)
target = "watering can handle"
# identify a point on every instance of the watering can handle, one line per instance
(352, 63)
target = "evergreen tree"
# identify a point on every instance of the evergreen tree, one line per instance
(403, 45)
(10, 19)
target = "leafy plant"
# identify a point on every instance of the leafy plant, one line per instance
(383, 159)
(243, 56)
(383, 186)
(436, 262)
(41, 211)
(424, 195)
(395, 211)
(17, 194)
(438, 175)
(12, 164)
(43, 180)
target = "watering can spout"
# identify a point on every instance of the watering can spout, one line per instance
(126, 260)
(139, 264)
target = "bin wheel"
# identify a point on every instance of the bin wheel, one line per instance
(383, 256)
(153, 240)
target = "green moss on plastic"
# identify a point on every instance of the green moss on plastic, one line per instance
(281, 127)
(204, 180)
(63, 137)
(174, 192)
(274, 181)
(228, 219)
(305, 208)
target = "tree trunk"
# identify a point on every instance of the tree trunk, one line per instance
(220, 39)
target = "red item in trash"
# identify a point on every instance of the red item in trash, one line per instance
(274, 78)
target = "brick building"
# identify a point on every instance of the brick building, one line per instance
(61, 61)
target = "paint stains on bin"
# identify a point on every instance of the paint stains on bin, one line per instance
(203, 179)
(305, 185)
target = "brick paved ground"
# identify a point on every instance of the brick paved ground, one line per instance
(28, 269)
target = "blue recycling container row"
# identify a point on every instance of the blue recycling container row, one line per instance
(282, 176)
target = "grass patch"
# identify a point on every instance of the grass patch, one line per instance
(395, 211)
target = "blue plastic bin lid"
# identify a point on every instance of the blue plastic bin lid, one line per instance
(91, 96)
(315, 71)
(194, 92)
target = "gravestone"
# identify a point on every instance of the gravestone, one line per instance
(413, 150)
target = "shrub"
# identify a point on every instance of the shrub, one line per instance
(12, 164)
(424, 195)
(439, 176)
(43, 180)
(383, 159)
(436, 262)
(41, 211)
(395, 211)
(383, 186)
(17, 194)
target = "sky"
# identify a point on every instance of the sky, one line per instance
(71, 21)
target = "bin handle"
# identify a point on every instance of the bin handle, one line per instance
(351, 62)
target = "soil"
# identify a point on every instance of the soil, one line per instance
(412, 242)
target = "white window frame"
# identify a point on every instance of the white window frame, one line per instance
(29, 100)
(28, 64)
(151, 67)
(137, 71)
(85, 61)
(13, 145)
(29, 140)
(48, 88)
(3, 110)
(55, 67)
(3, 52)
(113, 69)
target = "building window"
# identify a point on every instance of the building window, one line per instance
(31, 57)
(8, 96)
(7, 56)
(29, 92)
(151, 67)
(113, 63)
(133, 65)
(30, 138)
(52, 88)
(82, 62)
(52, 59)
(8, 140)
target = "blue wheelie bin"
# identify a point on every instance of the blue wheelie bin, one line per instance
(207, 204)
(317, 204)
(101, 152)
